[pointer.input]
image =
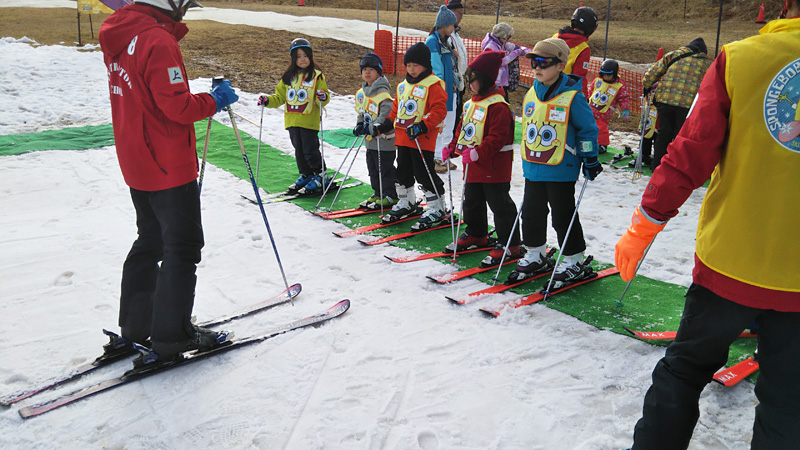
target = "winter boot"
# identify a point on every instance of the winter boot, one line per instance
(646, 161)
(535, 262)
(297, 185)
(119, 346)
(385, 203)
(465, 241)
(573, 268)
(316, 184)
(496, 254)
(602, 149)
(406, 205)
(372, 199)
(165, 352)
(434, 215)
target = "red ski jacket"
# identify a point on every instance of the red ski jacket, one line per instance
(152, 110)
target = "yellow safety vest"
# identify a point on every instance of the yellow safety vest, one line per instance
(650, 123)
(412, 99)
(573, 55)
(603, 94)
(301, 94)
(369, 107)
(748, 221)
(544, 127)
(473, 121)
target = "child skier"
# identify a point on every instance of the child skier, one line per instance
(606, 93)
(417, 112)
(559, 135)
(304, 91)
(373, 105)
(485, 140)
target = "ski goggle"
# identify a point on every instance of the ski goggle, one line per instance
(544, 63)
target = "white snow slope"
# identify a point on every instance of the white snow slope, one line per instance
(404, 369)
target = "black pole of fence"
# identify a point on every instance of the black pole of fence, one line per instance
(91, 26)
(608, 20)
(541, 5)
(497, 16)
(79, 26)
(719, 26)
(396, 34)
(684, 9)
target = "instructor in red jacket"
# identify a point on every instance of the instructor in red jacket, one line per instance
(153, 114)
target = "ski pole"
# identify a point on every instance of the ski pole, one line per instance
(508, 243)
(618, 303)
(546, 292)
(246, 119)
(258, 196)
(205, 153)
(346, 175)
(461, 211)
(322, 146)
(452, 207)
(380, 175)
(327, 186)
(427, 169)
(637, 170)
(258, 152)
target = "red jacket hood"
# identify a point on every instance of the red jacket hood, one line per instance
(571, 36)
(120, 27)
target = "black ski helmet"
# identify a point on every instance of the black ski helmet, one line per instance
(584, 19)
(299, 42)
(610, 66)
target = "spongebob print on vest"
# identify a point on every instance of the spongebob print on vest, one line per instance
(544, 125)
(603, 95)
(301, 94)
(411, 101)
(369, 107)
(473, 121)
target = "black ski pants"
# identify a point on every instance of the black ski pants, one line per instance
(306, 150)
(708, 326)
(410, 166)
(560, 196)
(476, 197)
(157, 300)
(670, 121)
(387, 172)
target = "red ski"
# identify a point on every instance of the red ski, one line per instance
(405, 259)
(495, 310)
(374, 226)
(737, 372)
(446, 278)
(395, 237)
(667, 335)
(496, 289)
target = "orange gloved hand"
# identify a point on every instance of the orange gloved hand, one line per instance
(631, 246)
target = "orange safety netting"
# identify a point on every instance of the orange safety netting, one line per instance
(391, 51)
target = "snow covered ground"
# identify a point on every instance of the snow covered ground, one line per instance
(403, 369)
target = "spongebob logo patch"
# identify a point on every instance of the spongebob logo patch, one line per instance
(781, 114)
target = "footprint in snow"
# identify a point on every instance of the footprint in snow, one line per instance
(65, 279)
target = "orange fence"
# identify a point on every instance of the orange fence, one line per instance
(391, 51)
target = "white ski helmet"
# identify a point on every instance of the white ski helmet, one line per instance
(170, 5)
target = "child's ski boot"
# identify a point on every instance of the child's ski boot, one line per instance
(385, 203)
(297, 185)
(620, 156)
(572, 269)
(435, 215)
(163, 353)
(372, 199)
(316, 184)
(514, 252)
(405, 207)
(465, 241)
(533, 263)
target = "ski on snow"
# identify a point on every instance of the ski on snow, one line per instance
(448, 277)
(281, 298)
(292, 195)
(496, 289)
(495, 310)
(424, 256)
(374, 226)
(395, 237)
(668, 335)
(187, 357)
(737, 372)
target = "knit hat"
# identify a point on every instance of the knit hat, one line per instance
(371, 60)
(503, 31)
(445, 17)
(454, 4)
(698, 45)
(418, 53)
(551, 48)
(488, 63)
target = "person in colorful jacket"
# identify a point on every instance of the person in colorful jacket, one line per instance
(607, 92)
(559, 135)
(373, 105)
(418, 108)
(499, 40)
(444, 61)
(153, 115)
(674, 80)
(303, 92)
(582, 25)
(485, 141)
(744, 132)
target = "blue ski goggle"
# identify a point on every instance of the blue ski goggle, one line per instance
(544, 63)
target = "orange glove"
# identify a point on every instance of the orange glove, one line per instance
(631, 246)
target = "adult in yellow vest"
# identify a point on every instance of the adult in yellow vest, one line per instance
(582, 25)
(746, 266)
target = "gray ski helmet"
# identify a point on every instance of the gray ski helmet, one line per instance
(610, 66)
(170, 5)
(584, 19)
(299, 42)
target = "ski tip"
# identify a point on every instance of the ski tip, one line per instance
(629, 330)
(490, 312)
(295, 290)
